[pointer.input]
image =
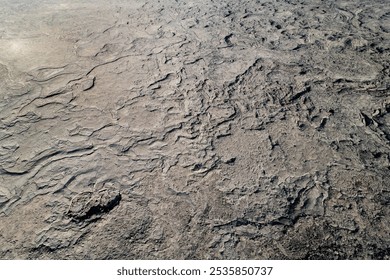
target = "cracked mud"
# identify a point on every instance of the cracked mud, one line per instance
(194, 129)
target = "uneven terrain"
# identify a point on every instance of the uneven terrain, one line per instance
(194, 129)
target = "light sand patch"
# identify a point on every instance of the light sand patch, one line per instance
(26, 54)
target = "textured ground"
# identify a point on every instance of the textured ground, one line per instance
(195, 129)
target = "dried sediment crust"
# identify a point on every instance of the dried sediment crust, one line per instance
(195, 130)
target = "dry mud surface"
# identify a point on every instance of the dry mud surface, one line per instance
(194, 129)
